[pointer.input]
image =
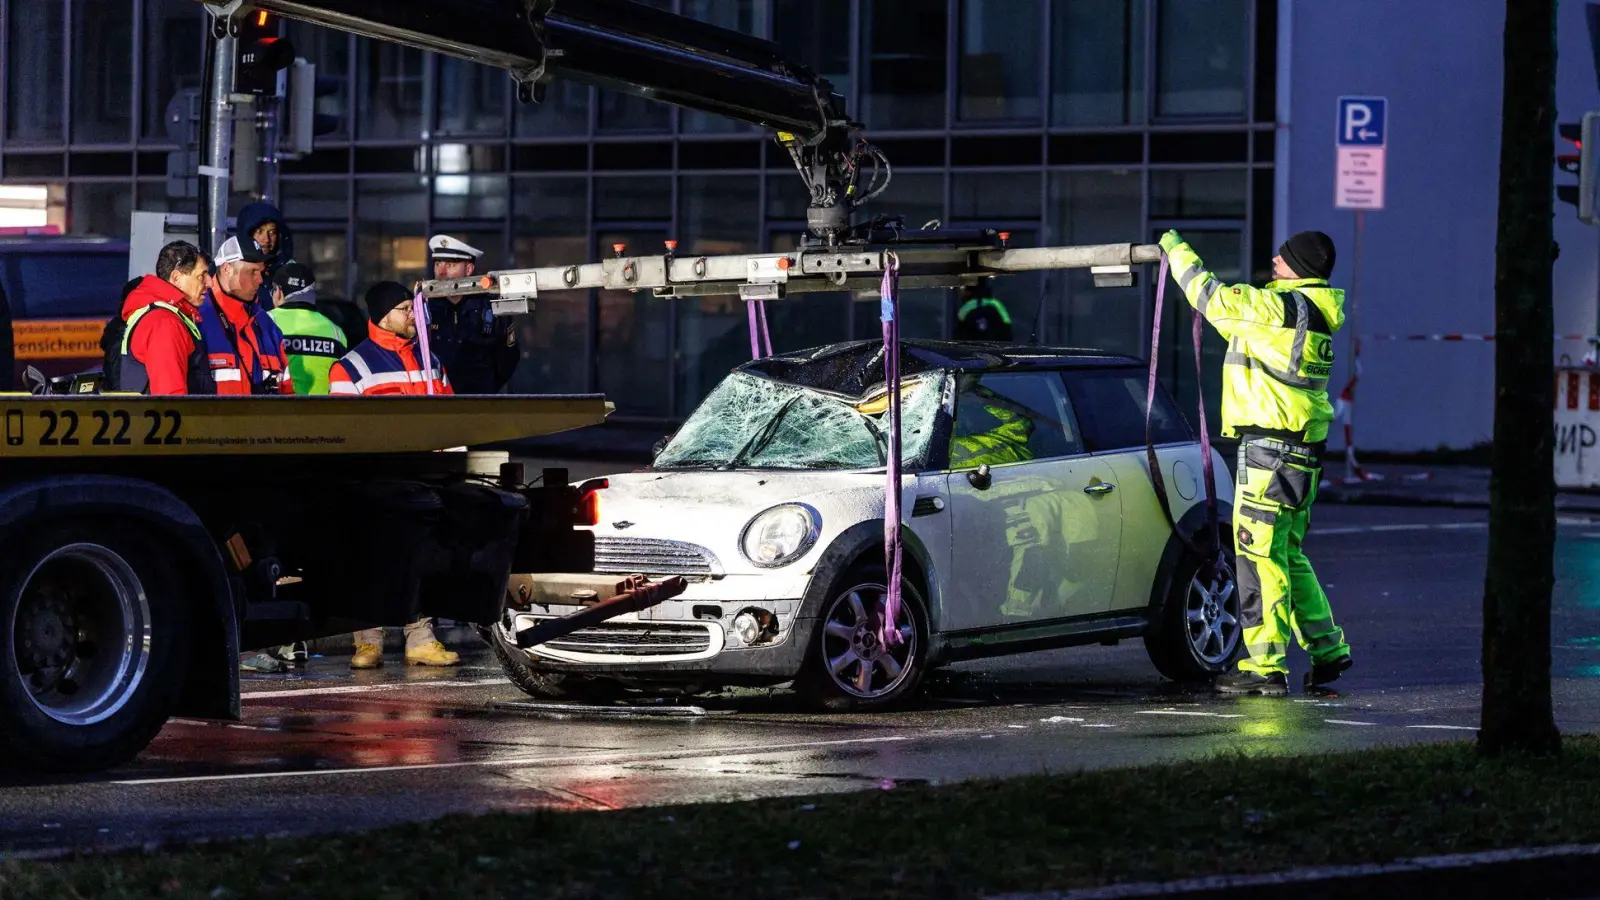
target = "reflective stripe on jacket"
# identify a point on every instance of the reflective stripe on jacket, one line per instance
(313, 344)
(244, 347)
(385, 363)
(134, 376)
(1280, 348)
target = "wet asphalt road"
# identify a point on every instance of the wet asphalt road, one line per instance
(331, 749)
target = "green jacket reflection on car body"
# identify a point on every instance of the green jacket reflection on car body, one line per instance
(1275, 399)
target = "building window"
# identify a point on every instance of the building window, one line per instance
(1097, 62)
(389, 97)
(808, 31)
(563, 113)
(101, 208)
(716, 215)
(1202, 58)
(391, 220)
(472, 98)
(629, 113)
(903, 42)
(1197, 194)
(102, 71)
(550, 225)
(329, 51)
(33, 105)
(172, 63)
(918, 196)
(315, 199)
(999, 61)
(735, 15)
(1094, 208)
(482, 198)
(633, 198)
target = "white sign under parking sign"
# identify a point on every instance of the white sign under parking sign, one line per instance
(1362, 139)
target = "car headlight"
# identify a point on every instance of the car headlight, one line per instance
(780, 535)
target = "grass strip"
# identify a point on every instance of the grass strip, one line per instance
(1231, 813)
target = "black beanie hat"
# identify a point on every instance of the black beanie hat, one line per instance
(1309, 253)
(383, 297)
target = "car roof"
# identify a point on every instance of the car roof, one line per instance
(855, 367)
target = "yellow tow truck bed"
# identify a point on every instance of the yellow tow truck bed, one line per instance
(113, 425)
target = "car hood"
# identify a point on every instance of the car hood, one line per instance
(711, 509)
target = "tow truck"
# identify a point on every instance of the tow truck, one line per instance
(148, 539)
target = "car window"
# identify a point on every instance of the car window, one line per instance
(1006, 417)
(64, 285)
(1110, 408)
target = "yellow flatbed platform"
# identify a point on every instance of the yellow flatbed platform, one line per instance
(121, 425)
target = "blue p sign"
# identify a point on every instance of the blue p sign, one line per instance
(1362, 121)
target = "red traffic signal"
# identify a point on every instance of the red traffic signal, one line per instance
(263, 52)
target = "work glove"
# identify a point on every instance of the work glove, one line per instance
(1170, 240)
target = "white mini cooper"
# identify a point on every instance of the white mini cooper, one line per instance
(1031, 523)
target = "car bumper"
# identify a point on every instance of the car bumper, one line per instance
(689, 634)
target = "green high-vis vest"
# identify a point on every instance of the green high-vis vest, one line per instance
(313, 344)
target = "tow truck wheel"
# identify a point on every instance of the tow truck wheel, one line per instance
(1197, 633)
(97, 646)
(848, 667)
(544, 685)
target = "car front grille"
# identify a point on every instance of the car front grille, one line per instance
(636, 639)
(644, 556)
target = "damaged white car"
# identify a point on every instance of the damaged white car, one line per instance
(1030, 523)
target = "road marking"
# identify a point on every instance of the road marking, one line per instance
(368, 688)
(614, 756)
(1346, 722)
(1447, 727)
(1179, 712)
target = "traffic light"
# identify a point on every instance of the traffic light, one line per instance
(302, 122)
(262, 53)
(1584, 162)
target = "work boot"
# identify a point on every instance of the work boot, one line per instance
(1328, 672)
(367, 656)
(262, 662)
(1274, 684)
(431, 653)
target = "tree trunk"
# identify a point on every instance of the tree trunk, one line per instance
(1517, 713)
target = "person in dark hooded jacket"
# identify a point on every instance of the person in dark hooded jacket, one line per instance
(262, 223)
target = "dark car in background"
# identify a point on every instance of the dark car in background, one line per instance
(56, 295)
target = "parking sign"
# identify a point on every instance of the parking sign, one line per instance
(1361, 137)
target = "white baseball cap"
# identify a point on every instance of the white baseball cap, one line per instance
(231, 251)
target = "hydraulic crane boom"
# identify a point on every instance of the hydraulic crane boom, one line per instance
(629, 47)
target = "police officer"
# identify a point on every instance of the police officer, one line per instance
(1275, 400)
(982, 317)
(478, 348)
(310, 338)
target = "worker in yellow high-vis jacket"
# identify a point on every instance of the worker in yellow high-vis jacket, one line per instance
(1275, 401)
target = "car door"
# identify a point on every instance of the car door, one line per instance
(1109, 404)
(1034, 536)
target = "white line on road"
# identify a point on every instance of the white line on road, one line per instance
(612, 756)
(1399, 527)
(1346, 722)
(368, 688)
(1447, 727)
(1179, 712)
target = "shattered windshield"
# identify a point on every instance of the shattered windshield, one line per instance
(754, 422)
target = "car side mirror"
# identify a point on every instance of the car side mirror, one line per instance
(980, 478)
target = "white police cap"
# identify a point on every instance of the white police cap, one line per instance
(443, 246)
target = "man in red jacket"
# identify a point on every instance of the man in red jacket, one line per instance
(162, 349)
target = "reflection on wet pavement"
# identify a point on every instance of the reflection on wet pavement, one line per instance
(328, 749)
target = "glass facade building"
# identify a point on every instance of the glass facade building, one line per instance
(1061, 121)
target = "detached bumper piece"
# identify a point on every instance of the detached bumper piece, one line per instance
(634, 594)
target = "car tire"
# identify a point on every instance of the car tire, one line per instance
(96, 648)
(1195, 634)
(818, 683)
(545, 685)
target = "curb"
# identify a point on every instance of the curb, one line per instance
(1564, 871)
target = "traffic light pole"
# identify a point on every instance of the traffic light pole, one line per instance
(217, 133)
